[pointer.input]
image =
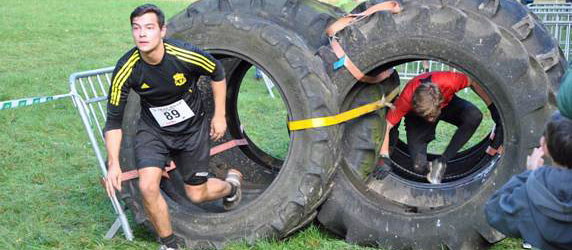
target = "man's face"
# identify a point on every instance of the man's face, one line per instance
(146, 32)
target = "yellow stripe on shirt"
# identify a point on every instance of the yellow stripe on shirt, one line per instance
(121, 77)
(116, 95)
(191, 55)
(192, 60)
(120, 74)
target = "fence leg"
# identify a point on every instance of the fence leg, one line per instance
(124, 223)
(121, 220)
(269, 84)
(113, 229)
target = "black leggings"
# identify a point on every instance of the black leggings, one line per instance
(420, 132)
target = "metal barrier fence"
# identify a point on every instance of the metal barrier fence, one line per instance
(412, 69)
(556, 17)
(89, 94)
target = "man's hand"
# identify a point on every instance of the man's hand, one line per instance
(218, 123)
(534, 160)
(218, 127)
(113, 178)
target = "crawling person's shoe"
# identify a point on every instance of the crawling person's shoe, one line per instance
(234, 177)
(436, 171)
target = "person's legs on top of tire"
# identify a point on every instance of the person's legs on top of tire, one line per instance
(467, 118)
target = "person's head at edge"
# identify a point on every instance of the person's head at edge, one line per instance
(427, 100)
(564, 97)
(148, 28)
(558, 140)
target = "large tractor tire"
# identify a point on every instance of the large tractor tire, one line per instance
(306, 18)
(279, 195)
(514, 59)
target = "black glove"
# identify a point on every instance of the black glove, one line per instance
(382, 168)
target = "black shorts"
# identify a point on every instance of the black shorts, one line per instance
(190, 152)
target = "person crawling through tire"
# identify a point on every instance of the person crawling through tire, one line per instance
(424, 101)
(536, 205)
(173, 124)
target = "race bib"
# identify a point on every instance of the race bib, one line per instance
(172, 114)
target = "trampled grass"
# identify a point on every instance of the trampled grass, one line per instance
(50, 195)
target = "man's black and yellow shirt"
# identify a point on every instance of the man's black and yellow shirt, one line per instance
(173, 79)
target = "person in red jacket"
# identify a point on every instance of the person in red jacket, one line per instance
(424, 101)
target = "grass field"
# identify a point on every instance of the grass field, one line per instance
(50, 197)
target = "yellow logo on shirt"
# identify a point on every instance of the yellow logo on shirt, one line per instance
(144, 86)
(179, 79)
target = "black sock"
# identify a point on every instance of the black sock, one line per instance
(170, 241)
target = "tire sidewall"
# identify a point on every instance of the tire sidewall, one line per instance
(370, 218)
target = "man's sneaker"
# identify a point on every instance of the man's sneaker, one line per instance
(171, 243)
(436, 171)
(234, 177)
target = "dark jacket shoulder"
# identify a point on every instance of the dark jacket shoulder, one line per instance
(536, 206)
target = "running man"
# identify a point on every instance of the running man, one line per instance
(173, 124)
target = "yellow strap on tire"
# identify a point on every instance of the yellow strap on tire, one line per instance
(342, 117)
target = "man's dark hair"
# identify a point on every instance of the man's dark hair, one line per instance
(558, 136)
(146, 8)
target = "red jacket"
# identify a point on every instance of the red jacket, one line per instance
(448, 82)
